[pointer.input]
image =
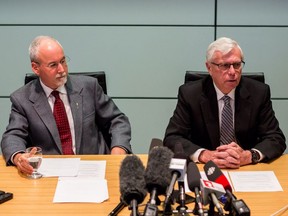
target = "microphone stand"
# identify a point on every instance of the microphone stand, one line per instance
(151, 208)
(211, 210)
(182, 208)
(134, 207)
(198, 209)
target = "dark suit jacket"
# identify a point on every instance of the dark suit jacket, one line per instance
(32, 122)
(195, 122)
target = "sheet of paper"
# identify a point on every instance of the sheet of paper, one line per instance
(255, 181)
(81, 189)
(92, 168)
(53, 167)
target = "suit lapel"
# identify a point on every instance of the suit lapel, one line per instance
(41, 106)
(76, 104)
(210, 112)
(243, 108)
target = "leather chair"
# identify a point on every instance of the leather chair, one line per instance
(196, 75)
(100, 75)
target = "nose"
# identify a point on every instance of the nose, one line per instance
(231, 70)
(60, 68)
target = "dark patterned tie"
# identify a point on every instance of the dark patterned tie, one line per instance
(227, 130)
(62, 124)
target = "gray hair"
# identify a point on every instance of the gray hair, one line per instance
(34, 46)
(224, 45)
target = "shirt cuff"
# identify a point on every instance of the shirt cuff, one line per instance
(195, 157)
(13, 155)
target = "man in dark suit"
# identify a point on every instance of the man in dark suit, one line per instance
(196, 122)
(90, 112)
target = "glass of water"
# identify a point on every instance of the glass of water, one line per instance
(35, 161)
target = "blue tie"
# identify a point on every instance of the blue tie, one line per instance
(227, 129)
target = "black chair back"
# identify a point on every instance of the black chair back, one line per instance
(100, 75)
(196, 75)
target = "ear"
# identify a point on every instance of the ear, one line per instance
(208, 66)
(35, 68)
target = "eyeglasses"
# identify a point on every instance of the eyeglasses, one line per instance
(54, 65)
(226, 66)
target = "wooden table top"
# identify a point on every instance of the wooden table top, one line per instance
(36, 196)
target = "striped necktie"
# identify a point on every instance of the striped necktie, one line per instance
(227, 129)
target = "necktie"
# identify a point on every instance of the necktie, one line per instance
(227, 130)
(62, 124)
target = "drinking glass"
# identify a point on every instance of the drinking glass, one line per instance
(35, 161)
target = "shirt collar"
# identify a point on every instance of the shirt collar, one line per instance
(231, 94)
(48, 90)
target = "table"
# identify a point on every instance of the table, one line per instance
(33, 197)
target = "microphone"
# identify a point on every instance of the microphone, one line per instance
(178, 170)
(211, 191)
(178, 167)
(155, 143)
(214, 174)
(157, 176)
(117, 209)
(236, 207)
(193, 180)
(132, 182)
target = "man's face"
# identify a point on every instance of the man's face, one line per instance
(226, 75)
(51, 65)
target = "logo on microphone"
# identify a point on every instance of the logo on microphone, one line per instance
(211, 170)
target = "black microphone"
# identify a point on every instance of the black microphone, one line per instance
(157, 176)
(155, 143)
(193, 180)
(117, 209)
(178, 170)
(236, 207)
(132, 182)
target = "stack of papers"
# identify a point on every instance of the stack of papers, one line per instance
(79, 181)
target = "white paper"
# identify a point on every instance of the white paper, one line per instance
(255, 181)
(81, 189)
(92, 168)
(53, 167)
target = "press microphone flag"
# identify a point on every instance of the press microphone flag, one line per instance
(211, 191)
(208, 187)
(233, 205)
(214, 174)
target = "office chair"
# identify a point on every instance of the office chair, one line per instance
(100, 75)
(196, 75)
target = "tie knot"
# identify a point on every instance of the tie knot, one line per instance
(226, 99)
(55, 94)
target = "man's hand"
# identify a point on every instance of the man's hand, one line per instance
(227, 156)
(21, 162)
(118, 150)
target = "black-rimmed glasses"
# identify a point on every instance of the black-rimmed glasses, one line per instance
(226, 66)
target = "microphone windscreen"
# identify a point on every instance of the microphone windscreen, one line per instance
(214, 173)
(158, 174)
(193, 176)
(132, 181)
(155, 143)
